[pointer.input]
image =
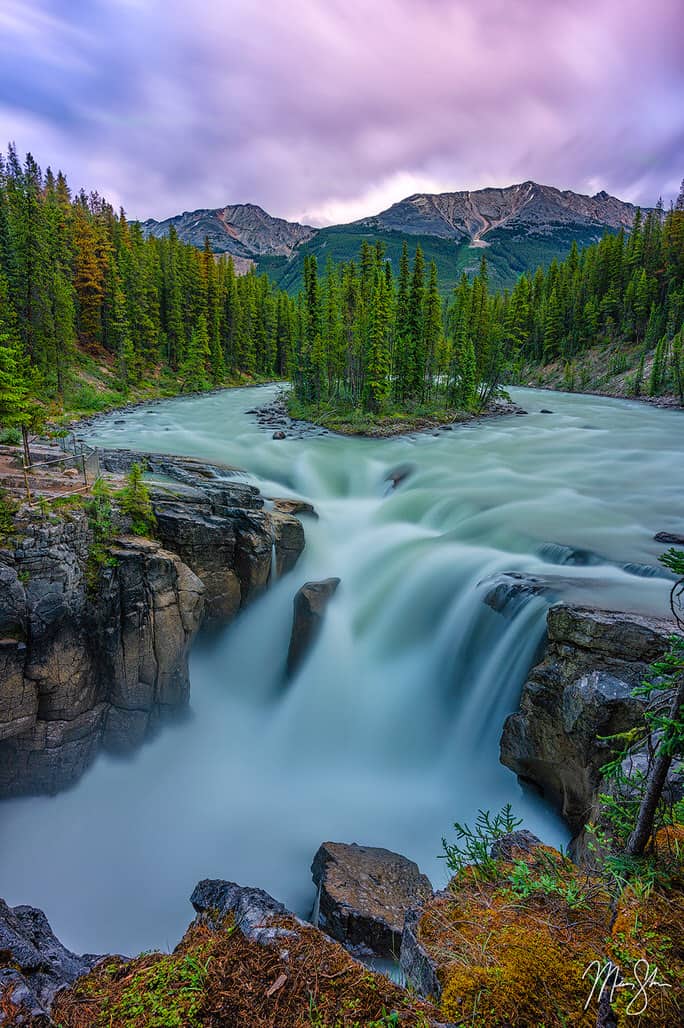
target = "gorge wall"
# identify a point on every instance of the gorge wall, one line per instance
(92, 656)
(578, 694)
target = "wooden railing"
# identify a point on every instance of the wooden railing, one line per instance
(77, 454)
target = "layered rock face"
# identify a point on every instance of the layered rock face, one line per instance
(92, 657)
(242, 230)
(579, 694)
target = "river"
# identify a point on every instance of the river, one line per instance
(390, 730)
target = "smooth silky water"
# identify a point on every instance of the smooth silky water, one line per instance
(390, 731)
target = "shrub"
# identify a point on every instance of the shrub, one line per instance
(135, 501)
(8, 508)
(474, 844)
(10, 436)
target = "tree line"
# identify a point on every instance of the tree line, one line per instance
(626, 289)
(376, 340)
(76, 275)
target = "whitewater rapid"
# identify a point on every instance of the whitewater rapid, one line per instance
(390, 730)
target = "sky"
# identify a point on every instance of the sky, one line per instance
(324, 111)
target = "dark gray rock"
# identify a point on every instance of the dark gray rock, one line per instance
(670, 538)
(256, 913)
(402, 471)
(509, 591)
(36, 964)
(364, 893)
(580, 693)
(418, 967)
(310, 604)
(505, 847)
(279, 434)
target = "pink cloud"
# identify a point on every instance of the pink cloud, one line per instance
(315, 106)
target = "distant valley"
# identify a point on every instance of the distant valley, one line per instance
(520, 227)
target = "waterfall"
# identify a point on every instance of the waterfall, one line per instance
(273, 570)
(389, 731)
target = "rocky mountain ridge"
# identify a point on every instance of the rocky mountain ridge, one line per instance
(466, 217)
(243, 230)
(525, 207)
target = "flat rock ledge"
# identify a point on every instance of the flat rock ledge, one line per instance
(364, 893)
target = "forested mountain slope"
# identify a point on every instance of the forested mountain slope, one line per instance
(522, 226)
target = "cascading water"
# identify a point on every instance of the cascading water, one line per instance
(390, 730)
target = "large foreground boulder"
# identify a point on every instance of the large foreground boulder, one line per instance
(310, 604)
(364, 893)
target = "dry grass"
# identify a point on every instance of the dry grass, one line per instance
(219, 979)
(519, 962)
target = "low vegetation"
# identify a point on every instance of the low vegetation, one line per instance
(516, 942)
(217, 978)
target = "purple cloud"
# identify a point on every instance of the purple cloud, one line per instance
(325, 110)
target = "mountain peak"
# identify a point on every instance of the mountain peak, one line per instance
(529, 207)
(242, 230)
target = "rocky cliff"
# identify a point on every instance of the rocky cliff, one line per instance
(92, 654)
(526, 207)
(575, 697)
(243, 230)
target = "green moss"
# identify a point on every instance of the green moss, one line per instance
(167, 994)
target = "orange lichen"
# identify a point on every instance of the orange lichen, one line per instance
(528, 956)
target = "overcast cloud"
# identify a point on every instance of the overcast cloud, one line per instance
(325, 110)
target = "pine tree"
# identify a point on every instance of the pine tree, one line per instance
(416, 323)
(377, 377)
(193, 370)
(17, 409)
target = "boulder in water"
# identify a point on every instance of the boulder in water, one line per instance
(399, 474)
(279, 434)
(510, 590)
(669, 537)
(286, 506)
(310, 604)
(364, 894)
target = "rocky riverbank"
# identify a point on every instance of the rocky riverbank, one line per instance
(93, 651)
(511, 939)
